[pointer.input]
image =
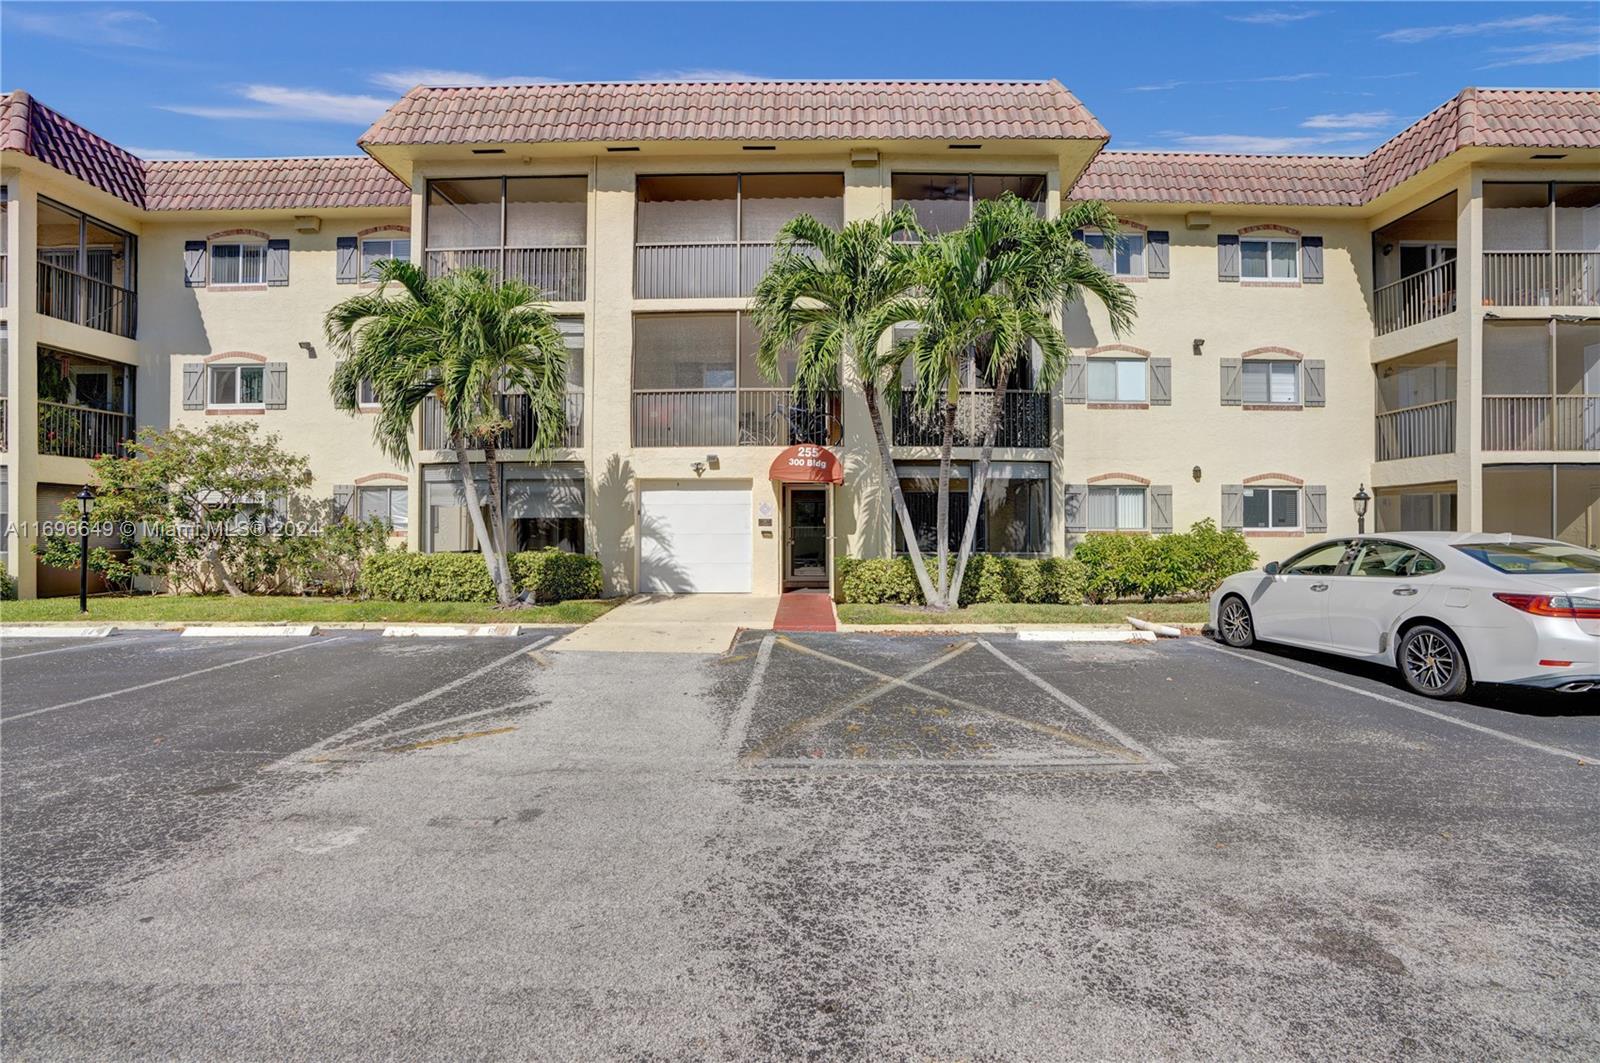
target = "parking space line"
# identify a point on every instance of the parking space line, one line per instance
(97, 645)
(1375, 696)
(752, 691)
(1077, 706)
(343, 737)
(169, 679)
(510, 706)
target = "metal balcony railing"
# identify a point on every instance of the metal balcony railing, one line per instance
(729, 417)
(1415, 299)
(1541, 278)
(706, 270)
(1541, 422)
(83, 300)
(519, 434)
(82, 431)
(559, 272)
(1024, 421)
(1417, 431)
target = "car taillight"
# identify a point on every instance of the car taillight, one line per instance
(1571, 606)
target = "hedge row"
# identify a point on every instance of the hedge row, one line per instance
(549, 575)
(1102, 568)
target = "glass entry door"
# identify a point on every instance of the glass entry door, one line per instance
(808, 535)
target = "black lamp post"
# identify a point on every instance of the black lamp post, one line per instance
(84, 498)
(1361, 498)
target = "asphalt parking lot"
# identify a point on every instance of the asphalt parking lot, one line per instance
(840, 846)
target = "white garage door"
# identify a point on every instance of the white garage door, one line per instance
(694, 539)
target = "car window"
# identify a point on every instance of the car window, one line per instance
(1532, 558)
(1392, 560)
(1318, 561)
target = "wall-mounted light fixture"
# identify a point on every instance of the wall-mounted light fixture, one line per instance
(1386, 249)
(699, 467)
(1195, 472)
(305, 345)
(1198, 344)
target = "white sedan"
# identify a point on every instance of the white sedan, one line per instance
(1446, 608)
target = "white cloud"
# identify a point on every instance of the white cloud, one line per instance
(164, 154)
(1252, 144)
(127, 29)
(1540, 54)
(408, 79)
(1164, 86)
(294, 104)
(1520, 24)
(1352, 120)
(1273, 18)
(701, 74)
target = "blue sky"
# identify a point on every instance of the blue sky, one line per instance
(175, 80)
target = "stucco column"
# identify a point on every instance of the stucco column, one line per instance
(862, 517)
(611, 502)
(1469, 352)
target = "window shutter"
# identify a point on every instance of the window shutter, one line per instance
(343, 495)
(194, 263)
(347, 259)
(277, 385)
(1076, 388)
(1316, 516)
(1158, 258)
(1160, 381)
(194, 386)
(1313, 382)
(1077, 509)
(1161, 509)
(1227, 257)
(1233, 506)
(1232, 382)
(277, 263)
(1311, 260)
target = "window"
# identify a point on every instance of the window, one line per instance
(1269, 508)
(1270, 383)
(238, 264)
(384, 503)
(1391, 560)
(375, 251)
(544, 508)
(1269, 260)
(1117, 509)
(1534, 559)
(1115, 380)
(1321, 560)
(1016, 507)
(943, 202)
(366, 397)
(1126, 259)
(237, 386)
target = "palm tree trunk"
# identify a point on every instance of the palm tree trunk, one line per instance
(497, 518)
(469, 486)
(980, 479)
(947, 442)
(896, 496)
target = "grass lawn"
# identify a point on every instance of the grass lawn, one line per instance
(997, 613)
(267, 609)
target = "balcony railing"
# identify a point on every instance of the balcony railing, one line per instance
(1024, 421)
(1417, 298)
(706, 270)
(1541, 422)
(82, 431)
(86, 301)
(557, 271)
(519, 434)
(1417, 431)
(747, 417)
(1541, 278)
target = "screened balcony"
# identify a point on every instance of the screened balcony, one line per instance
(943, 202)
(532, 229)
(695, 383)
(710, 236)
(522, 424)
(1541, 383)
(85, 405)
(1541, 244)
(1416, 405)
(1553, 501)
(86, 270)
(1414, 267)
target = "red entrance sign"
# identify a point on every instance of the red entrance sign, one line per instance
(807, 464)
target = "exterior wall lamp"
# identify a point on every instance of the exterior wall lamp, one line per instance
(1361, 498)
(84, 498)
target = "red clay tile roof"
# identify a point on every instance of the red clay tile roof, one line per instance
(1526, 118)
(31, 128)
(272, 184)
(758, 110)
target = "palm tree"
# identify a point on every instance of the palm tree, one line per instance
(990, 290)
(465, 340)
(830, 297)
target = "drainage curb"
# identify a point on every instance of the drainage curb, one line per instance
(452, 631)
(41, 631)
(249, 631)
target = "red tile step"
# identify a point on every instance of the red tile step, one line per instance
(805, 611)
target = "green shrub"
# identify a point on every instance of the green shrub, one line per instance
(548, 575)
(552, 575)
(878, 581)
(8, 587)
(989, 578)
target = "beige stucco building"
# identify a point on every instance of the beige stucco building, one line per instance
(1424, 320)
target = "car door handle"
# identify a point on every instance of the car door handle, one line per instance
(1404, 592)
(1319, 586)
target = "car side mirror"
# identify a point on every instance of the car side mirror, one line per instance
(1270, 568)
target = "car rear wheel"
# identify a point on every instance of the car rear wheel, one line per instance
(1432, 662)
(1235, 624)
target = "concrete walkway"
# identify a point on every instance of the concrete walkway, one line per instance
(673, 623)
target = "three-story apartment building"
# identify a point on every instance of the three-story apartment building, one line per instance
(1424, 320)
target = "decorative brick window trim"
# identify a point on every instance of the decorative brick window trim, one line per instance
(1272, 406)
(1136, 532)
(1129, 278)
(1118, 476)
(392, 228)
(245, 356)
(1123, 348)
(1262, 533)
(1269, 284)
(257, 412)
(1129, 223)
(1264, 352)
(1118, 405)
(373, 477)
(257, 233)
(220, 288)
(1269, 227)
(1274, 476)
